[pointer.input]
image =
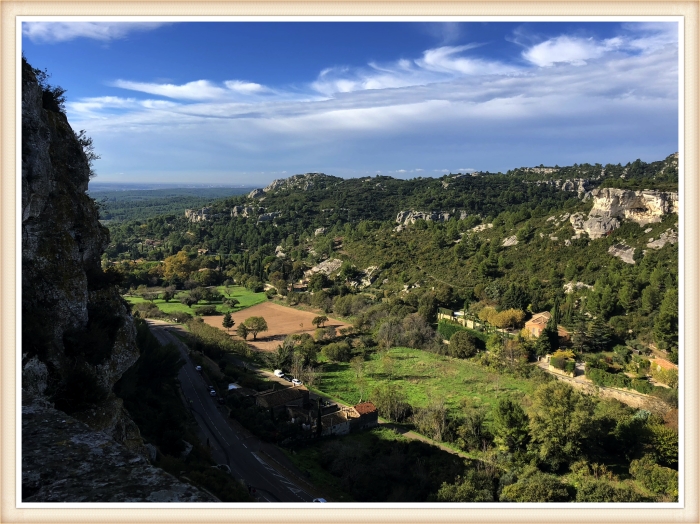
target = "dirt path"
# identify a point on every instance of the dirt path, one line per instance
(281, 321)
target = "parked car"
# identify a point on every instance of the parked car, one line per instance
(320, 500)
(221, 400)
(297, 382)
(212, 393)
(279, 373)
(210, 388)
(198, 368)
(287, 378)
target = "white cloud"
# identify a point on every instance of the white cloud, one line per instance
(576, 50)
(53, 32)
(197, 90)
(446, 59)
(565, 49)
(244, 87)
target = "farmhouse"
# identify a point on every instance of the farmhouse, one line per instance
(539, 321)
(367, 416)
(278, 400)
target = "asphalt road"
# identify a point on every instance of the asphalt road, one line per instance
(229, 446)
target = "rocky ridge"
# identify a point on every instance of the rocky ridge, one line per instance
(303, 182)
(78, 337)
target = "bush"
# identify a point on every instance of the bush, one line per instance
(180, 316)
(446, 329)
(657, 479)
(670, 396)
(464, 345)
(570, 366)
(337, 352)
(206, 311)
(557, 362)
(537, 487)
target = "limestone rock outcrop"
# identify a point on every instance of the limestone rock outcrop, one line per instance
(623, 252)
(610, 206)
(405, 218)
(667, 237)
(303, 182)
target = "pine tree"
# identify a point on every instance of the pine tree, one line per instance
(228, 322)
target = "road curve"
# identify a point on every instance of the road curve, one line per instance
(228, 446)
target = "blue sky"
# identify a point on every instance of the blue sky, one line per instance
(248, 102)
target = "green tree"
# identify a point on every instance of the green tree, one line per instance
(475, 486)
(463, 345)
(510, 426)
(255, 325)
(657, 479)
(188, 300)
(560, 422)
(598, 334)
(228, 322)
(536, 487)
(666, 323)
(319, 320)
(242, 331)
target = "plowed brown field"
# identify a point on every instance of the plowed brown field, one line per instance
(281, 321)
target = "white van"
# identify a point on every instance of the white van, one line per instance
(279, 373)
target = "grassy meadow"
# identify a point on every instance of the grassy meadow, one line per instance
(422, 376)
(245, 299)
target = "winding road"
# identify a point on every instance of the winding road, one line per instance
(241, 452)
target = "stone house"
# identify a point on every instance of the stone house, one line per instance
(279, 399)
(539, 321)
(368, 416)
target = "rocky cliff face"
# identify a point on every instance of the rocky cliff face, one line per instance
(75, 324)
(78, 336)
(64, 460)
(610, 206)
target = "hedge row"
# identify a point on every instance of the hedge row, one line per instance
(603, 378)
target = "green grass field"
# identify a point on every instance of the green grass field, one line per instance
(423, 376)
(245, 298)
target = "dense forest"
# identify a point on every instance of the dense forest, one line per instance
(496, 247)
(126, 205)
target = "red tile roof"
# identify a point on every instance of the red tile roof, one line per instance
(365, 408)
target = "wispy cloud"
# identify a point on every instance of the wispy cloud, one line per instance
(54, 32)
(565, 49)
(577, 50)
(449, 104)
(436, 65)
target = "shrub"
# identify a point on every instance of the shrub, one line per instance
(206, 311)
(337, 351)
(657, 479)
(557, 362)
(447, 329)
(464, 345)
(537, 487)
(180, 316)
